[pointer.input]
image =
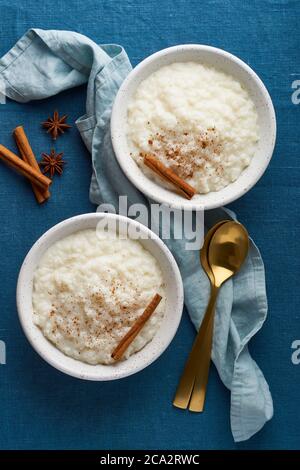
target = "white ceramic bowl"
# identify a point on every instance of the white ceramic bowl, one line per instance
(139, 360)
(229, 64)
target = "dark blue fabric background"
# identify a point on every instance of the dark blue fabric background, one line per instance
(41, 407)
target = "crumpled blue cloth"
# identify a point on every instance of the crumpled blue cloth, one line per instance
(57, 60)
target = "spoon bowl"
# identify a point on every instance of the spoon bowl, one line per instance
(228, 250)
(204, 250)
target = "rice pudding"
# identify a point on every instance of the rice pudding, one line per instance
(196, 120)
(88, 291)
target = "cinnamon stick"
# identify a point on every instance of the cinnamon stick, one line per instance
(169, 175)
(15, 162)
(29, 157)
(136, 328)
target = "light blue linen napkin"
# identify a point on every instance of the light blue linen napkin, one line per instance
(57, 60)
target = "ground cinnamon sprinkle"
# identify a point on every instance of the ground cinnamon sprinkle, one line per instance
(186, 152)
(113, 317)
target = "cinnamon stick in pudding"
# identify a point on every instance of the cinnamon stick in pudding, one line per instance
(169, 175)
(28, 156)
(136, 328)
(15, 162)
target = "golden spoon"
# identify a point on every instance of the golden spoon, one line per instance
(185, 388)
(199, 390)
(200, 384)
(227, 251)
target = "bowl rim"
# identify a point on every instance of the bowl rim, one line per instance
(28, 327)
(160, 194)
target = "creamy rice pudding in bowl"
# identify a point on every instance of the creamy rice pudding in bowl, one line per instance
(193, 127)
(95, 303)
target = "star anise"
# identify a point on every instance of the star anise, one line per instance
(56, 125)
(52, 163)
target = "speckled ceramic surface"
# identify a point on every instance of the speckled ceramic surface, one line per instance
(136, 362)
(227, 63)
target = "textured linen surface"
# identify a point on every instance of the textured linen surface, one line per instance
(42, 408)
(57, 60)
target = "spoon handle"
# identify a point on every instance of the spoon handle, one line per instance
(187, 380)
(199, 390)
